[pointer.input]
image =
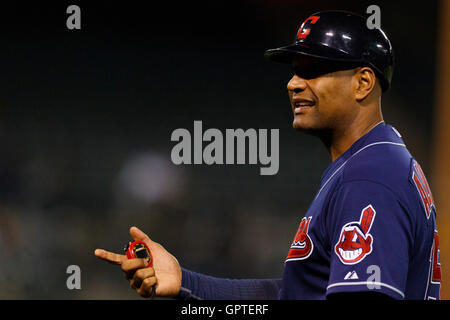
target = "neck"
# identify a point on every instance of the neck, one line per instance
(338, 141)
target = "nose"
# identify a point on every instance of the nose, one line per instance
(296, 84)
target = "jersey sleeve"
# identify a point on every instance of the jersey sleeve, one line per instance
(371, 238)
(197, 286)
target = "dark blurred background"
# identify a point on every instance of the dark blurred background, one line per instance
(86, 118)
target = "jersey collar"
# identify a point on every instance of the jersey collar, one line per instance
(381, 132)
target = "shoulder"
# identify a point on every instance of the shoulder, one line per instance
(386, 163)
(388, 168)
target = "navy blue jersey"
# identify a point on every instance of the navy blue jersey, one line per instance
(370, 227)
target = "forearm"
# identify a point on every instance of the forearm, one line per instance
(198, 286)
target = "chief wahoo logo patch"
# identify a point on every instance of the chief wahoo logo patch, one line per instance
(355, 241)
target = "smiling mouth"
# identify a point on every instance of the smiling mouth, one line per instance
(299, 107)
(350, 255)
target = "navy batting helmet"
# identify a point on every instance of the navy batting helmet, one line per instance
(344, 37)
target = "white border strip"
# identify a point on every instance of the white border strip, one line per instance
(372, 283)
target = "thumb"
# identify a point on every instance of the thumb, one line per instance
(137, 234)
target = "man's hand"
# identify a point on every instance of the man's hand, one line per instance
(164, 277)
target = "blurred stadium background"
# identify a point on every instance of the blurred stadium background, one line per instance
(86, 118)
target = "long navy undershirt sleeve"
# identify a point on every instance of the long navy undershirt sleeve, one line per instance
(199, 286)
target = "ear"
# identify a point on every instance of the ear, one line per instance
(365, 82)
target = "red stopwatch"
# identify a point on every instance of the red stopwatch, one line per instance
(138, 249)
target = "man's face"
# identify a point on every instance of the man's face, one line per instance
(321, 97)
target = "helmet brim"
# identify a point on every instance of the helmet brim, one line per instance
(287, 54)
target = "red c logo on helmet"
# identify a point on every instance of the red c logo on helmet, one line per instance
(303, 33)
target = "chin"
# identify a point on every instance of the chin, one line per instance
(308, 128)
(302, 126)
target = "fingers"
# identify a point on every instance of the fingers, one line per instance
(147, 287)
(111, 257)
(140, 276)
(129, 267)
(143, 281)
(137, 234)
